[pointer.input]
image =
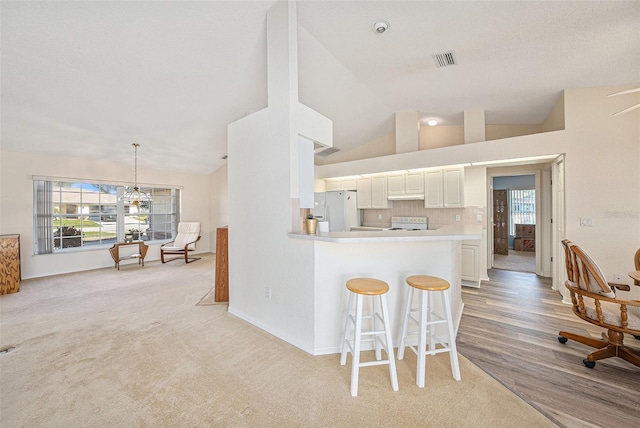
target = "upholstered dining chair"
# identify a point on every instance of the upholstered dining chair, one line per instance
(595, 301)
(184, 242)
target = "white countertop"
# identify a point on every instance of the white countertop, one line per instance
(451, 233)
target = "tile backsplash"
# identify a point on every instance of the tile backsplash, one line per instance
(437, 216)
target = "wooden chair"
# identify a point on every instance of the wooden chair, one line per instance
(184, 242)
(636, 260)
(595, 301)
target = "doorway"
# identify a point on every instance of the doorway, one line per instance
(514, 222)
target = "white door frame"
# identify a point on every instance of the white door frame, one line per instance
(559, 274)
(541, 237)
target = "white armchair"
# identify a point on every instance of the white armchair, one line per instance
(185, 241)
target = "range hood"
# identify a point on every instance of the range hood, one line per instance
(407, 197)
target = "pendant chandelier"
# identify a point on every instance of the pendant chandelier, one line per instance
(133, 195)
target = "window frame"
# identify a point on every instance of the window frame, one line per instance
(47, 197)
(512, 222)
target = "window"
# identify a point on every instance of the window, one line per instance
(522, 208)
(71, 215)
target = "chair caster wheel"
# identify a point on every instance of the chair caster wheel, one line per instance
(589, 364)
(562, 339)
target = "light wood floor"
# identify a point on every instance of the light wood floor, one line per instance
(509, 328)
(522, 261)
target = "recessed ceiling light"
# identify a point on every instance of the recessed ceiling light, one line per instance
(380, 26)
(432, 122)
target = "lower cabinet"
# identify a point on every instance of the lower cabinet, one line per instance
(470, 271)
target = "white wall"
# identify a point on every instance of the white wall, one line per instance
(260, 216)
(219, 184)
(16, 185)
(602, 177)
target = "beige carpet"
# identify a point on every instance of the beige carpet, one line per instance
(132, 348)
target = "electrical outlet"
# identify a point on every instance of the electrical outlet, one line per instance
(478, 217)
(457, 217)
(586, 222)
(379, 216)
(617, 277)
(267, 292)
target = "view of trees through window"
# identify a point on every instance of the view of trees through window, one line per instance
(79, 214)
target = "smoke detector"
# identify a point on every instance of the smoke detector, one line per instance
(380, 26)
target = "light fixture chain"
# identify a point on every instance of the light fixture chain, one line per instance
(135, 168)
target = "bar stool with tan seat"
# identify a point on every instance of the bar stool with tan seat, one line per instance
(428, 319)
(360, 287)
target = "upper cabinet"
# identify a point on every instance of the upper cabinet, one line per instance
(341, 184)
(433, 189)
(408, 185)
(444, 188)
(440, 188)
(372, 192)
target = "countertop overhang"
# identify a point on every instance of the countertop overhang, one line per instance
(450, 233)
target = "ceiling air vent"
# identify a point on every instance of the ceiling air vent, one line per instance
(445, 59)
(323, 153)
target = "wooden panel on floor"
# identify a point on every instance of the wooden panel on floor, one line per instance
(222, 265)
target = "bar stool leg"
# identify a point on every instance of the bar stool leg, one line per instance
(387, 330)
(376, 321)
(355, 358)
(405, 324)
(347, 331)
(430, 319)
(453, 352)
(422, 338)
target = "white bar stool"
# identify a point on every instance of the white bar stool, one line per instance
(426, 286)
(360, 287)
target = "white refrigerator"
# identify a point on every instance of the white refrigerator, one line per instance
(339, 208)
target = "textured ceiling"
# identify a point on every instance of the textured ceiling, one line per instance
(87, 79)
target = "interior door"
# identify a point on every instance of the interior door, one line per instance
(500, 223)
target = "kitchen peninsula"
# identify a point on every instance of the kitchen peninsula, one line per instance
(388, 255)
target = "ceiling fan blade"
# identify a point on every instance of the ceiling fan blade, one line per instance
(628, 91)
(627, 110)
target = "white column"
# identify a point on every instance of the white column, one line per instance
(407, 131)
(474, 126)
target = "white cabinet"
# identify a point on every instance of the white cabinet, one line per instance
(349, 184)
(364, 192)
(379, 192)
(341, 184)
(470, 264)
(334, 185)
(453, 179)
(433, 189)
(414, 183)
(444, 188)
(405, 185)
(372, 192)
(395, 184)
